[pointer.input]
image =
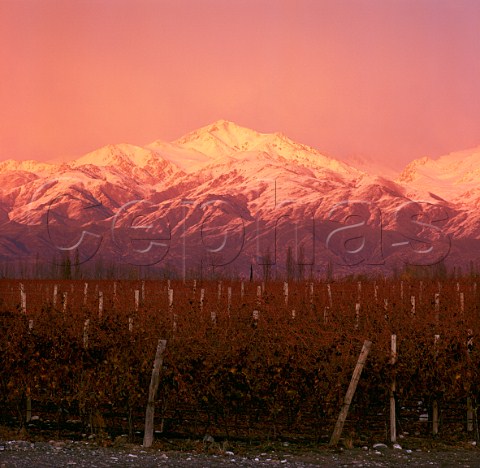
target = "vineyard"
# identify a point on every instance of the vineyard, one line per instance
(243, 359)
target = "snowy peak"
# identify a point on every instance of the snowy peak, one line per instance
(133, 161)
(449, 176)
(222, 138)
(117, 155)
(26, 166)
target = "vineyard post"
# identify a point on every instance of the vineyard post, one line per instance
(170, 309)
(23, 299)
(437, 307)
(462, 303)
(470, 413)
(152, 391)
(412, 301)
(23, 306)
(202, 297)
(100, 304)
(229, 299)
(357, 315)
(85, 333)
(85, 292)
(329, 290)
(393, 421)
(337, 432)
(143, 291)
(285, 293)
(375, 291)
(359, 291)
(55, 294)
(194, 287)
(65, 300)
(28, 416)
(219, 296)
(311, 294)
(435, 402)
(137, 299)
(259, 295)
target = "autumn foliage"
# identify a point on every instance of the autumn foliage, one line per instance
(281, 371)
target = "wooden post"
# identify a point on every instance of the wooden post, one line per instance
(357, 315)
(359, 291)
(65, 300)
(437, 307)
(401, 290)
(152, 391)
(100, 304)
(337, 432)
(285, 293)
(194, 287)
(28, 416)
(55, 294)
(412, 302)
(435, 411)
(202, 297)
(393, 420)
(85, 293)
(469, 415)
(229, 299)
(23, 299)
(170, 309)
(329, 290)
(259, 295)
(143, 291)
(85, 333)
(130, 324)
(137, 299)
(462, 303)
(375, 291)
(311, 293)
(435, 417)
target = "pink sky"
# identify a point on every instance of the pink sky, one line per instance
(392, 80)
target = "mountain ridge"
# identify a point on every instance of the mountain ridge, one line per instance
(223, 186)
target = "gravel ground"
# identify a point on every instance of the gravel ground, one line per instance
(24, 454)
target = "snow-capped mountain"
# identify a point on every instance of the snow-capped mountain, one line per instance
(225, 197)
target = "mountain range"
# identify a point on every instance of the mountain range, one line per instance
(228, 199)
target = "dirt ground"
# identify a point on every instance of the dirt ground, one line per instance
(65, 453)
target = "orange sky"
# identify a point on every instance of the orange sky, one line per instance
(387, 79)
